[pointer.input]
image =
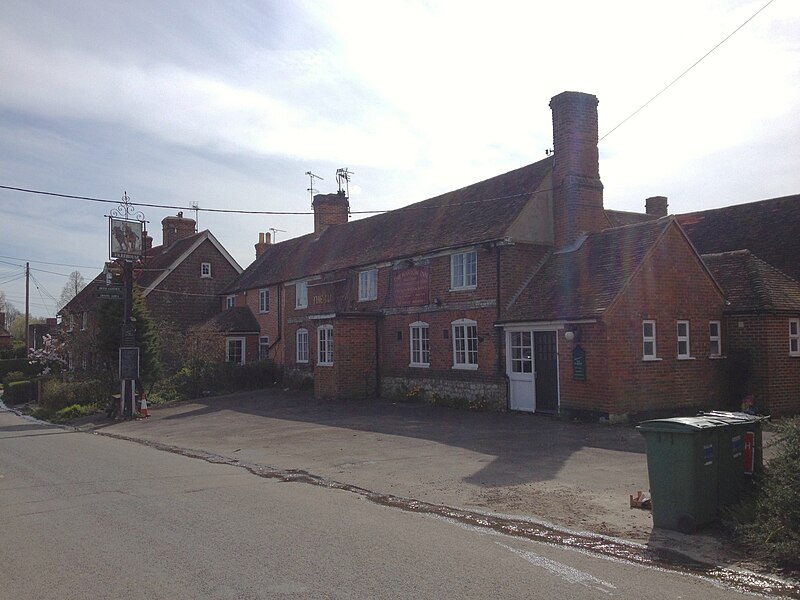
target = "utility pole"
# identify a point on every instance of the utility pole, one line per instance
(27, 306)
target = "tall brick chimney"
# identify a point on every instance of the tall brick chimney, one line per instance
(330, 209)
(264, 242)
(656, 206)
(147, 241)
(578, 194)
(176, 228)
(2, 320)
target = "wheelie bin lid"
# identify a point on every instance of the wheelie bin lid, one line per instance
(734, 418)
(682, 424)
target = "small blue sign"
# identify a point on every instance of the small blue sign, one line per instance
(708, 454)
(737, 446)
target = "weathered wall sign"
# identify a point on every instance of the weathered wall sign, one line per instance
(411, 286)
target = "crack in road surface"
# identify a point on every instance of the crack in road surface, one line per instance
(660, 558)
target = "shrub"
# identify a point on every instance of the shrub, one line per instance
(769, 523)
(65, 414)
(57, 395)
(19, 392)
(200, 378)
(14, 376)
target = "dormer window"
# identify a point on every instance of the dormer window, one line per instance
(205, 270)
(230, 301)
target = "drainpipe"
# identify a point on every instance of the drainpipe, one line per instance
(377, 359)
(500, 333)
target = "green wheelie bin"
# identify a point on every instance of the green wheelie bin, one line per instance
(683, 467)
(740, 454)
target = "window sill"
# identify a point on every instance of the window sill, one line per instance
(301, 362)
(687, 358)
(322, 364)
(653, 359)
(716, 356)
(468, 288)
(419, 365)
(205, 276)
(466, 367)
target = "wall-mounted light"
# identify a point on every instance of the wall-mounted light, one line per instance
(572, 333)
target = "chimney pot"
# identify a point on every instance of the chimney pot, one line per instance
(264, 241)
(656, 206)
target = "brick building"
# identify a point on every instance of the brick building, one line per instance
(520, 292)
(5, 336)
(180, 282)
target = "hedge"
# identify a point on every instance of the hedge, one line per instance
(19, 364)
(19, 392)
(57, 395)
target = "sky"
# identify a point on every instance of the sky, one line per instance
(229, 104)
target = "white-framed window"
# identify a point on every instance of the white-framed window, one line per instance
(263, 300)
(230, 301)
(648, 340)
(205, 270)
(301, 346)
(234, 350)
(794, 337)
(263, 347)
(714, 338)
(420, 344)
(465, 344)
(464, 270)
(85, 321)
(684, 348)
(368, 285)
(71, 323)
(301, 294)
(325, 345)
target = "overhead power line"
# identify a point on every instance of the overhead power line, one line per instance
(674, 81)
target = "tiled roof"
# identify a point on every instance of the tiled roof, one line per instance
(752, 285)
(584, 282)
(770, 229)
(476, 213)
(158, 259)
(623, 217)
(239, 319)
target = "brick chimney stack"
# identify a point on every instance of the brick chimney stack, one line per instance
(147, 241)
(578, 194)
(330, 209)
(176, 228)
(2, 320)
(656, 206)
(264, 242)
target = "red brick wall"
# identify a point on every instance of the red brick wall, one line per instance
(185, 298)
(353, 373)
(758, 348)
(592, 394)
(672, 285)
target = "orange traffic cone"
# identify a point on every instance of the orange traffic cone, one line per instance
(143, 410)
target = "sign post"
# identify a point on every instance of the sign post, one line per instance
(126, 244)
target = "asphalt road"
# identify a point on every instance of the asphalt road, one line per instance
(87, 516)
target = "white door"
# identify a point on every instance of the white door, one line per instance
(519, 367)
